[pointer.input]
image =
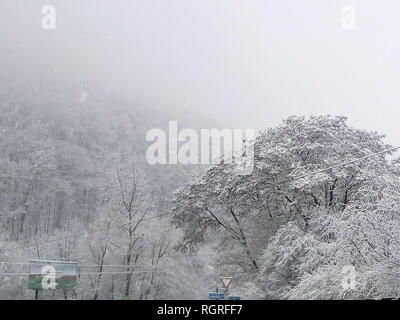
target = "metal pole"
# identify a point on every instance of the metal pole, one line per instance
(36, 294)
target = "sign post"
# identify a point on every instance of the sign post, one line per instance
(48, 274)
(226, 281)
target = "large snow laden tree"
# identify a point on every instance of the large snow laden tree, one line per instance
(239, 214)
(364, 236)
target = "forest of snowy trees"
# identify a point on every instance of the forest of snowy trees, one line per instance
(75, 186)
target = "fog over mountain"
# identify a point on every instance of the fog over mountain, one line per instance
(245, 64)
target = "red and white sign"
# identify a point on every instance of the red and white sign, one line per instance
(226, 281)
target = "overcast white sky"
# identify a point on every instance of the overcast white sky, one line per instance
(243, 63)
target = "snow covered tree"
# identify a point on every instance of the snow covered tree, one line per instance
(242, 212)
(310, 265)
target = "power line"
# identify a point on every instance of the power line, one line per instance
(97, 181)
(83, 273)
(346, 163)
(48, 179)
(79, 265)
